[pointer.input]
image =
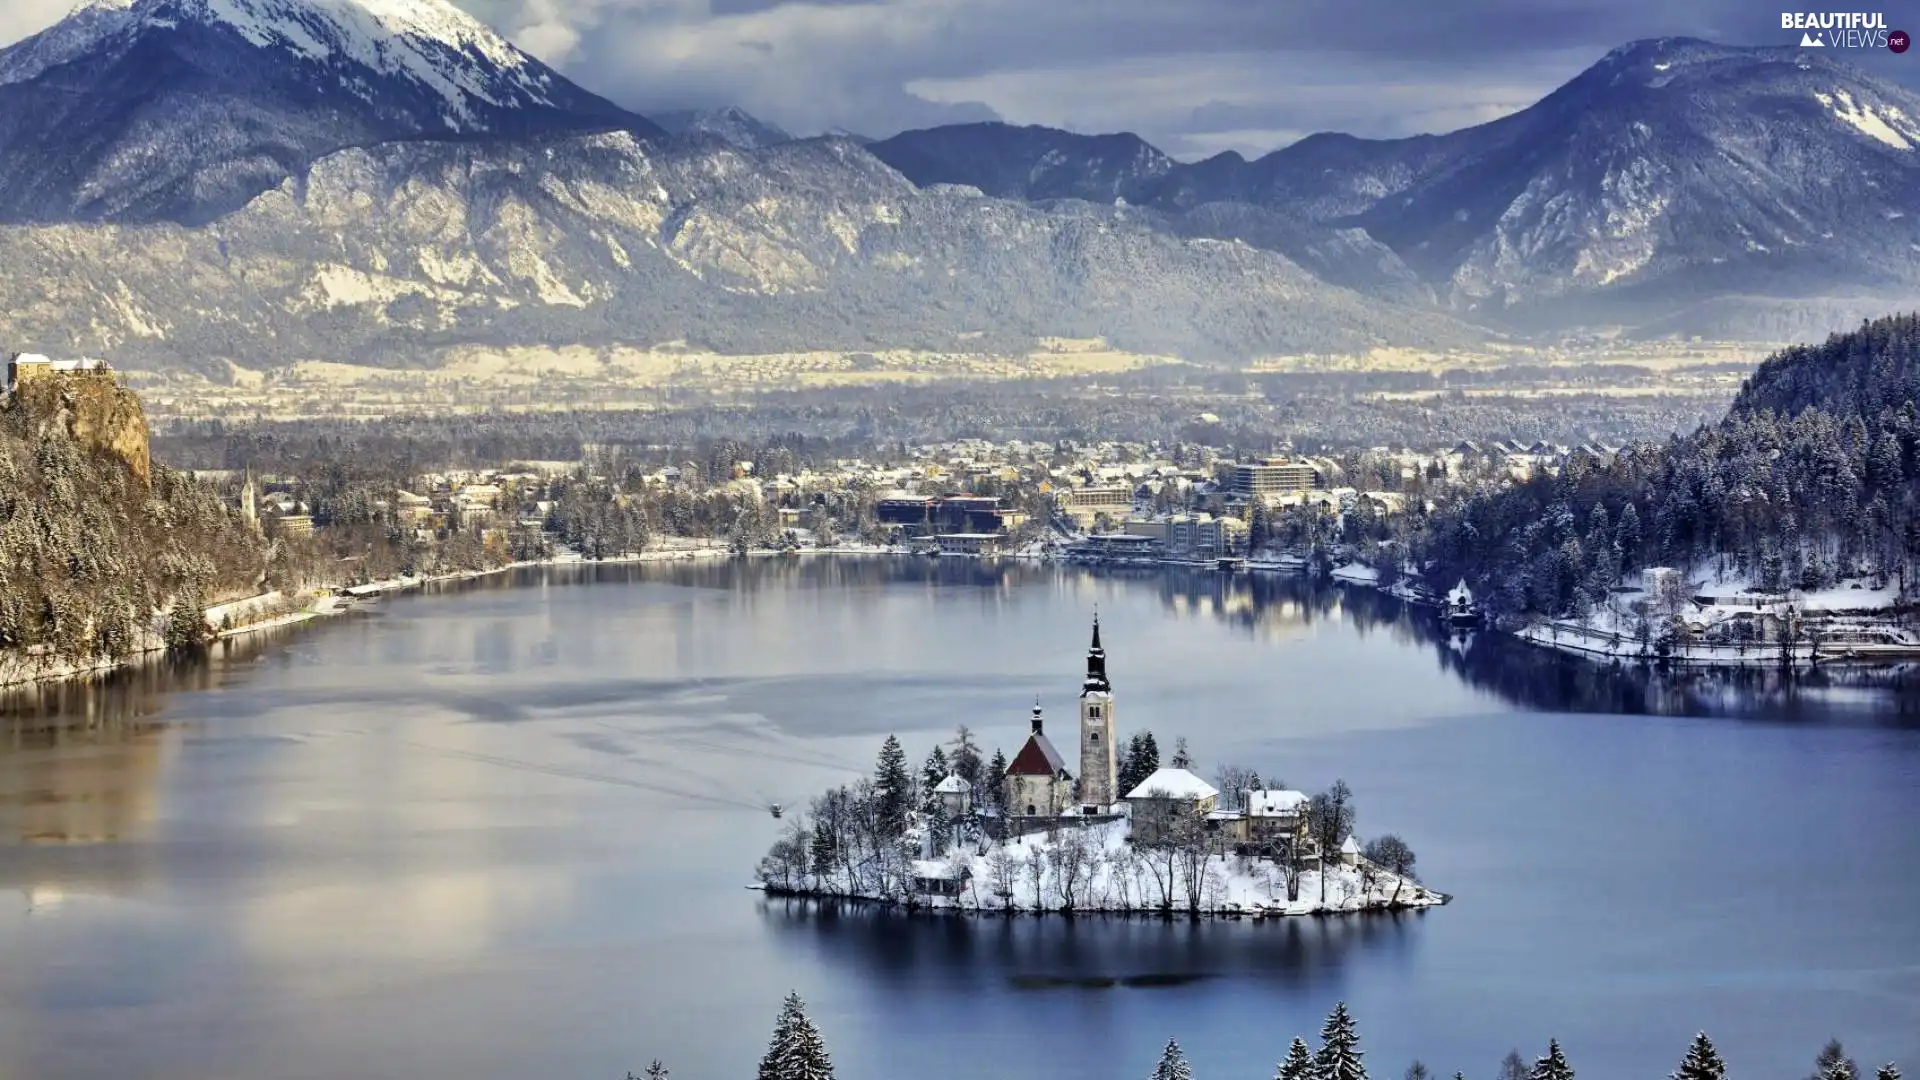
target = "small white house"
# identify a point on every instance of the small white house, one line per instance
(1161, 799)
(956, 796)
(1349, 852)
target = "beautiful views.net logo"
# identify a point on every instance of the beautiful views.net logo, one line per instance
(1844, 30)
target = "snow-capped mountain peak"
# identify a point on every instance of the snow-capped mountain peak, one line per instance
(184, 109)
(427, 42)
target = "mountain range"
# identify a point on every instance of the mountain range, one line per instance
(260, 181)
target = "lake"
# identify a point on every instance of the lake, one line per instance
(504, 829)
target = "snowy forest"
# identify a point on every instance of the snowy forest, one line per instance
(94, 546)
(1812, 477)
(798, 1051)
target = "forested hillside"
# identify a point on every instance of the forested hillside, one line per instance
(1813, 476)
(96, 545)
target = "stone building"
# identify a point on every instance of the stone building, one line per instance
(1037, 783)
(1099, 763)
(1162, 800)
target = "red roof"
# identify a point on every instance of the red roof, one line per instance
(1037, 758)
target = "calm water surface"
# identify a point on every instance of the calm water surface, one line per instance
(502, 831)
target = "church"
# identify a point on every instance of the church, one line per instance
(1038, 782)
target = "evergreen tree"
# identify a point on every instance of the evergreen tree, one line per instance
(1173, 1064)
(934, 771)
(1418, 1071)
(1513, 1066)
(1299, 1063)
(1181, 759)
(823, 853)
(655, 1071)
(893, 789)
(993, 782)
(966, 755)
(796, 1052)
(1142, 759)
(1834, 1064)
(1554, 1066)
(1340, 1053)
(1889, 1071)
(1702, 1061)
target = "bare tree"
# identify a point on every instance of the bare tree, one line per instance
(1233, 781)
(1330, 819)
(1003, 870)
(1037, 875)
(1193, 846)
(1122, 873)
(1074, 862)
(1160, 861)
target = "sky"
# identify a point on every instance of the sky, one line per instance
(1194, 77)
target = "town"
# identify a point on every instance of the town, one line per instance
(337, 530)
(1112, 831)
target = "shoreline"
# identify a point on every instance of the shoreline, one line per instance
(1223, 912)
(330, 601)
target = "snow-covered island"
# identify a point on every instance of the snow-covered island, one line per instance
(1124, 835)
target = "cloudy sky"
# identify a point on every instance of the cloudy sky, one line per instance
(1192, 76)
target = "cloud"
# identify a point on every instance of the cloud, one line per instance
(1194, 77)
(18, 18)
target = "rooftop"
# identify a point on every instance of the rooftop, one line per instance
(1173, 784)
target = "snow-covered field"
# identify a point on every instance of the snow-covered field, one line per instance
(1095, 869)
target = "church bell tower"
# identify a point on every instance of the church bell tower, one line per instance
(1099, 762)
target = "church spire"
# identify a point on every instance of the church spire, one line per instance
(1096, 664)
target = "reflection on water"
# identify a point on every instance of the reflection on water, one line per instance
(1087, 951)
(1271, 607)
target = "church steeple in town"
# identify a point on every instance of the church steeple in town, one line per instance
(1096, 665)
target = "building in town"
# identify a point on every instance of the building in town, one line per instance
(1273, 477)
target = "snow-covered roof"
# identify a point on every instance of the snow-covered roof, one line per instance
(1349, 847)
(952, 785)
(1275, 803)
(934, 870)
(1173, 784)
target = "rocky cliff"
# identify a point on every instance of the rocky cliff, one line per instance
(94, 410)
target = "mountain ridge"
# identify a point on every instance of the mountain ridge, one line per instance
(1665, 180)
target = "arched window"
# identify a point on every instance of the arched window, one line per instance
(1031, 811)
(1096, 736)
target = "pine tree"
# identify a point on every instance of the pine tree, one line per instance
(1554, 1066)
(1834, 1064)
(1889, 1071)
(1299, 1063)
(934, 771)
(796, 1052)
(1181, 759)
(1702, 1061)
(893, 788)
(1340, 1053)
(966, 755)
(656, 1071)
(824, 852)
(993, 784)
(1173, 1064)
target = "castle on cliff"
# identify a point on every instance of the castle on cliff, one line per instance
(24, 366)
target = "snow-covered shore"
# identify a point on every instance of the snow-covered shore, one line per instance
(1094, 869)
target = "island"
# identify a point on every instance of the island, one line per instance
(1120, 834)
